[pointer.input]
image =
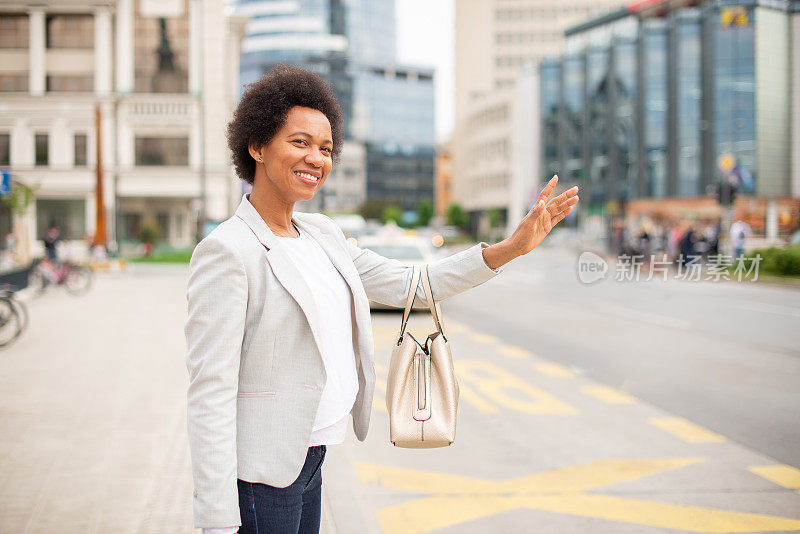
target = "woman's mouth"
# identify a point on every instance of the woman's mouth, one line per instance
(306, 177)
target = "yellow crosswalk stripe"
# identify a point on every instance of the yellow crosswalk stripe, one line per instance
(608, 394)
(553, 369)
(514, 352)
(783, 475)
(685, 430)
(484, 338)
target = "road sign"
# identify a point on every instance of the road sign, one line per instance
(734, 16)
(5, 183)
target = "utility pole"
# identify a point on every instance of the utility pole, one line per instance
(100, 215)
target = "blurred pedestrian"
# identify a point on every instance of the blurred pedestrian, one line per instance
(644, 240)
(51, 240)
(687, 244)
(740, 231)
(618, 236)
(674, 239)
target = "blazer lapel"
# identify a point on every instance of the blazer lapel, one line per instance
(282, 266)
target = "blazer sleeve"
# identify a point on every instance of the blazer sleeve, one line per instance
(217, 306)
(386, 280)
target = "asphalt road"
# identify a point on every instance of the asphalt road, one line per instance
(725, 354)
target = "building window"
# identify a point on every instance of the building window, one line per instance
(70, 31)
(68, 214)
(162, 151)
(42, 156)
(14, 83)
(80, 149)
(78, 84)
(14, 31)
(5, 149)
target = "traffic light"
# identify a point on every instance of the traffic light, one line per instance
(726, 193)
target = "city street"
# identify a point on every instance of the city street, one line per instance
(617, 407)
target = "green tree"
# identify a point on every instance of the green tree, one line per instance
(19, 200)
(456, 216)
(495, 218)
(424, 212)
(372, 209)
(149, 234)
(392, 212)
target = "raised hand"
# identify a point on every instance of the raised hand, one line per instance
(542, 217)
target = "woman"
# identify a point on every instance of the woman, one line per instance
(279, 340)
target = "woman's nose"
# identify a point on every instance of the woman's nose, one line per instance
(314, 157)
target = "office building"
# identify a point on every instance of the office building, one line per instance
(496, 42)
(653, 105)
(163, 77)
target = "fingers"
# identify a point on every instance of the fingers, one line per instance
(558, 218)
(567, 198)
(548, 188)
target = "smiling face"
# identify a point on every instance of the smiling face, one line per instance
(298, 159)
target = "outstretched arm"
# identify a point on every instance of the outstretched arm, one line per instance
(542, 218)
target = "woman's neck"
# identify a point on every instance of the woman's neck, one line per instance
(274, 210)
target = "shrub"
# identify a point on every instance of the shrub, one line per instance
(780, 261)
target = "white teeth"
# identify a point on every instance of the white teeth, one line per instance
(307, 176)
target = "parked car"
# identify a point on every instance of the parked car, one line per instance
(410, 250)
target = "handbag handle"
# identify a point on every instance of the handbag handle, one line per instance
(433, 304)
(436, 311)
(412, 293)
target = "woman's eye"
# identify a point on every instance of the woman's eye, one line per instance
(298, 141)
(326, 149)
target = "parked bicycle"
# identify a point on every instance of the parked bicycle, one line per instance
(13, 312)
(77, 279)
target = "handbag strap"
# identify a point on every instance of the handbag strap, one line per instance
(433, 304)
(412, 294)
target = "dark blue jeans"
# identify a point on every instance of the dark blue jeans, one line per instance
(294, 509)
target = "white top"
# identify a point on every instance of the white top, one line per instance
(333, 298)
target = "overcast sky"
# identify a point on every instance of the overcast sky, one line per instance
(425, 38)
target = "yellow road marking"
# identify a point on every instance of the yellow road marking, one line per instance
(783, 475)
(553, 369)
(608, 394)
(484, 338)
(514, 352)
(453, 327)
(470, 395)
(498, 385)
(685, 430)
(457, 499)
(380, 402)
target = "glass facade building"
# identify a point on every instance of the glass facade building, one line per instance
(647, 99)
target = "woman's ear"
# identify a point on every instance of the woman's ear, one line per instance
(255, 152)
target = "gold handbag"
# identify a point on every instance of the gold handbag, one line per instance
(421, 388)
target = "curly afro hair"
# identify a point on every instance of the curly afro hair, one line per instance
(264, 106)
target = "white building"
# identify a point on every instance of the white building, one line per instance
(494, 148)
(164, 76)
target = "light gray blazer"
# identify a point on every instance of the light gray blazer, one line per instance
(252, 349)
